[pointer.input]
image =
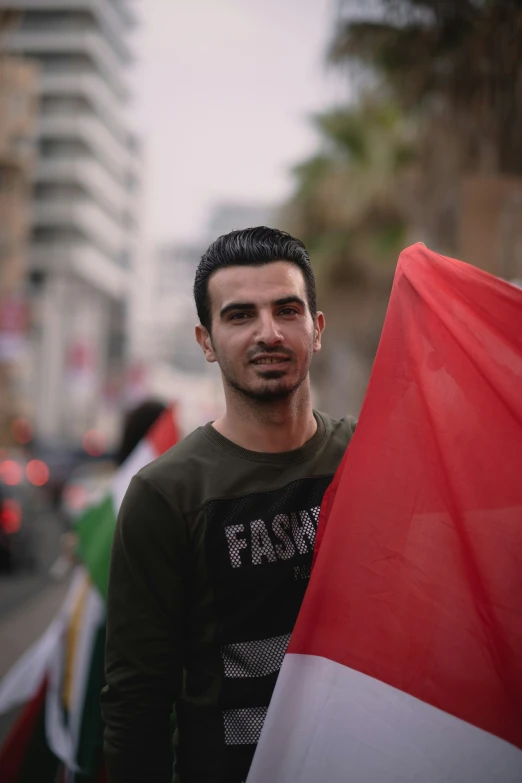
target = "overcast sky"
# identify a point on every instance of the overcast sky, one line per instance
(223, 91)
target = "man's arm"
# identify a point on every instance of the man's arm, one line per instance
(145, 634)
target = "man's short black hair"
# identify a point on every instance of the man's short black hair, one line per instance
(250, 247)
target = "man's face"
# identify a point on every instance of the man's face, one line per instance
(263, 335)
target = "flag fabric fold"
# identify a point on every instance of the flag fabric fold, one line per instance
(406, 660)
(60, 677)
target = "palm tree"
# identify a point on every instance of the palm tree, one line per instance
(347, 205)
(464, 55)
(348, 208)
(456, 66)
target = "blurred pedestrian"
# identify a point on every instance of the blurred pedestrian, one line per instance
(214, 541)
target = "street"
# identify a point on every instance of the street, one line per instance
(30, 598)
(20, 586)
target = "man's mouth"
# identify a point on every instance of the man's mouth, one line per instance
(270, 360)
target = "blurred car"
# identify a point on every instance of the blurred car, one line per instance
(60, 461)
(87, 484)
(20, 480)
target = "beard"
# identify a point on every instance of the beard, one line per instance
(269, 392)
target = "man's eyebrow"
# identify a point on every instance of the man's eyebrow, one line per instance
(290, 300)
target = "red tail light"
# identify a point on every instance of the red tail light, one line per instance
(11, 472)
(37, 472)
(11, 516)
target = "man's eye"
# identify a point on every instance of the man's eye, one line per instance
(239, 316)
(288, 311)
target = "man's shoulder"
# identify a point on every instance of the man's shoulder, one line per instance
(178, 462)
(339, 429)
(338, 434)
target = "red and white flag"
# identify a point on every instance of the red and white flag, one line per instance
(406, 660)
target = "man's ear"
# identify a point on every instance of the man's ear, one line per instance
(318, 331)
(205, 341)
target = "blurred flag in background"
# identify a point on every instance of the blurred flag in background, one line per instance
(60, 677)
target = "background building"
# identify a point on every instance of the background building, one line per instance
(18, 86)
(86, 183)
(228, 216)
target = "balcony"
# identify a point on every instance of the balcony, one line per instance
(115, 13)
(87, 173)
(87, 128)
(35, 43)
(124, 12)
(86, 217)
(84, 261)
(91, 87)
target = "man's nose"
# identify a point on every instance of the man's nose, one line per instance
(268, 331)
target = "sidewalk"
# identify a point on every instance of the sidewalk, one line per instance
(26, 624)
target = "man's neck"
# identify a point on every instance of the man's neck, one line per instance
(278, 426)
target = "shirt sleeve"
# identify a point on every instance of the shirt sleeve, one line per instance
(145, 636)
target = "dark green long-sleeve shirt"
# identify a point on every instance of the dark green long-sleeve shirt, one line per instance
(210, 562)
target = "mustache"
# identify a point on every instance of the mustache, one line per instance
(280, 351)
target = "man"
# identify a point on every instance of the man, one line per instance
(214, 540)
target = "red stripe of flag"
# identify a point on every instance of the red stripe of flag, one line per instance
(15, 747)
(418, 578)
(164, 432)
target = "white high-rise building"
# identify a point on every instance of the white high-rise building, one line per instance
(84, 209)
